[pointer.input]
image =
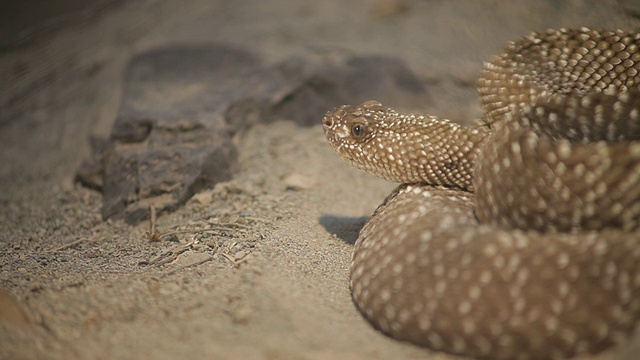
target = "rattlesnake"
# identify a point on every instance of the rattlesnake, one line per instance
(520, 238)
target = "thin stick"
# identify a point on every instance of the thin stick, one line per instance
(230, 224)
(257, 219)
(195, 231)
(152, 222)
(197, 263)
(71, 244)
(228, 257)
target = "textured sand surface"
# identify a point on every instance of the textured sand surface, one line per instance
(269, 281)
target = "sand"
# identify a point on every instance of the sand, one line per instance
(256, 267)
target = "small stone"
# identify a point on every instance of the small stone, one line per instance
(383, 9)
(297, 182)
(10, 310)
(242, 313)
(203, 197)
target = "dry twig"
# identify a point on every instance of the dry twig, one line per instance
(69, 245)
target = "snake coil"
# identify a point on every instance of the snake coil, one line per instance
(515, 240)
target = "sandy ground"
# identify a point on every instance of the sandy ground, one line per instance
(272, 281)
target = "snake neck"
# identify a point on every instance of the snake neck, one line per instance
(405, 148)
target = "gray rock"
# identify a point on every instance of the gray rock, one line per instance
(181, 107)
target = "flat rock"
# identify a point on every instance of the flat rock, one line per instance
(182, 106)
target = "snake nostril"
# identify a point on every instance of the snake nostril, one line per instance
(327, 121)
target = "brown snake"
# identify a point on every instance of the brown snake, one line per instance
(515, 240)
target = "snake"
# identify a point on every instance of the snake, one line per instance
(517, 237)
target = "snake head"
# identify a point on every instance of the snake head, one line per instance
(351, 125)
(353, 131)
(406, 148)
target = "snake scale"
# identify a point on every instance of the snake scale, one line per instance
(518, 238)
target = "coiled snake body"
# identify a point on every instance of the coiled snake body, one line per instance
(515, 240)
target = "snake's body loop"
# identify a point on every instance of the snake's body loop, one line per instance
(520, 240)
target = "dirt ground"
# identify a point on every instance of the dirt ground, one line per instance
(257, 267)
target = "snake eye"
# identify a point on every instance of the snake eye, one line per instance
(358, 131)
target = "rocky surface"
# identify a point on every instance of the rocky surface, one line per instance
(172, 135)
